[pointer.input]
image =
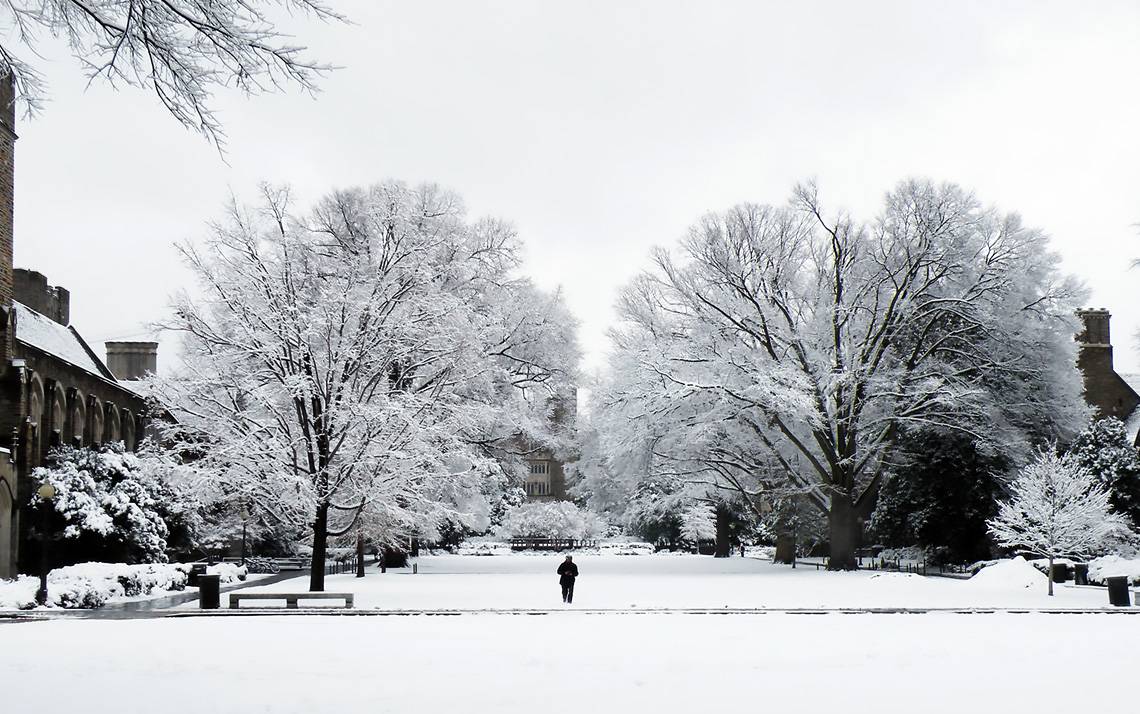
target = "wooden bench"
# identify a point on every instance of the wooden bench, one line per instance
(289, 598)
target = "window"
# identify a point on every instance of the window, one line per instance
(538, 467)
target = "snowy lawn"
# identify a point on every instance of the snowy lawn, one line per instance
(573, 662)
(680, 581)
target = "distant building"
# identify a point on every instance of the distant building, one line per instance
(546, 473)
(54, 389)
(1109, 393)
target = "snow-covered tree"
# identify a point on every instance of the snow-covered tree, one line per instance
(786, 347)
(1056, 509)
(182, 50)
(368, 365)
(113, 505)
(1105, 449)
(698, 522)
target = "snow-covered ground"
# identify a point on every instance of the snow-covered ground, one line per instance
(573, 662)
(684, 581)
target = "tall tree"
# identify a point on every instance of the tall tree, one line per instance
(799, 342)
(365, 365)
(1056, 508)
(182, 50)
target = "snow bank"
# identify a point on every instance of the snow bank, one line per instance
(1009, 575)
(93, 585)
(1113, 565)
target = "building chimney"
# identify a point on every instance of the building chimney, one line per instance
(132, 360)
(32, 289)
(1105, 390)
(7, 186)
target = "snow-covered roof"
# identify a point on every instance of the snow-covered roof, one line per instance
(1133, 381)
(1132, 425)
(63, 343)
(135, 386)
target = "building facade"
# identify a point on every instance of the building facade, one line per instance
(1109, 393)
(546, 470)
(54, 389)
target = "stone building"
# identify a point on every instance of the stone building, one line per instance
(54, 389)
(1109, 393)
(546, 471)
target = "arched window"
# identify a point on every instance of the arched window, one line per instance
(78, 420)
(96, 410)
(128, 425)
(112, 431)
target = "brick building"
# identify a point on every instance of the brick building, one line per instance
(1109, 393)
(54, 389)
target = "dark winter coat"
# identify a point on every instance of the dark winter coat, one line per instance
(568, 571)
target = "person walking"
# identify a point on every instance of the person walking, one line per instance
(567, 572)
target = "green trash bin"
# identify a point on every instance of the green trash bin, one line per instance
(209, 592)
(1118, 591)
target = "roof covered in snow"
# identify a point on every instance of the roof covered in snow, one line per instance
(1132, 423)
(63, 343)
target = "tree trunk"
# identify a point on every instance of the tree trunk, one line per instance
(320, 549)
(785, 549)
(1050, 576)
(843, 529)
(723, 547)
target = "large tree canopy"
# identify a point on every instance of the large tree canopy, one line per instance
(788, 346)
(368, 365)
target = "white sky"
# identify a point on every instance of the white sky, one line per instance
(601, 129)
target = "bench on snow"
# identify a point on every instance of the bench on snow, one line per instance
(289, 598)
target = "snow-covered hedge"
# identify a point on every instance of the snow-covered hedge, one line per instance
(559, 519)
(910, 554)
(93, 585)
(1113, 565)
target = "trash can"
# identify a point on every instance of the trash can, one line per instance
(1060, 572)
(196, 569)
(209, 591)
(1118, 591)
(1080, 573)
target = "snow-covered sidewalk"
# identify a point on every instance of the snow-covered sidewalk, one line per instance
(684, 582)
(567, 662)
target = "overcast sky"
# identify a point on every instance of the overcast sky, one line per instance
(603, 128)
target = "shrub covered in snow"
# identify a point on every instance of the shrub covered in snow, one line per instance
(1113, 565)
(111, 504)
(560, 519)
(912, 554)
(92, 585)
(230, 572)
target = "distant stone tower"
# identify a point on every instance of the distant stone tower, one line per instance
(1105, 390)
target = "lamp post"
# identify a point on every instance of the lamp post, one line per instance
(244, 515)
(360, 552)
(46, 493)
